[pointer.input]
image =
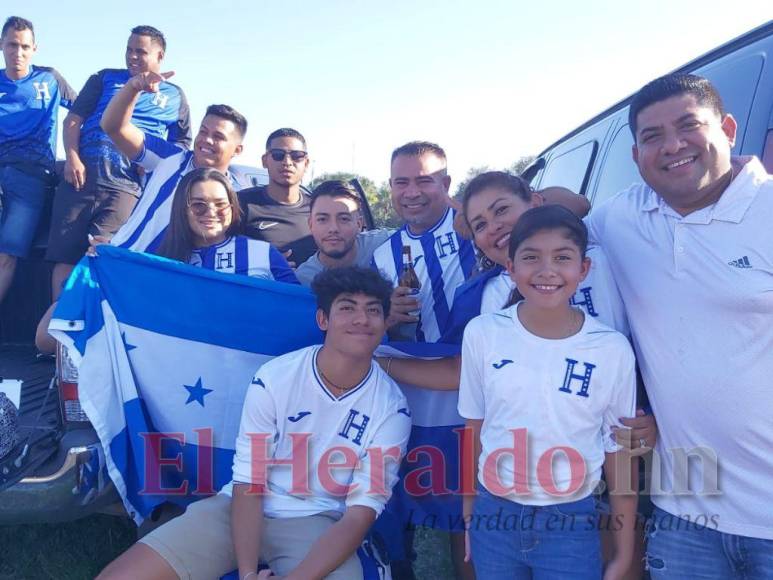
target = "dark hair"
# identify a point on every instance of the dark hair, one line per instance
(154, 33)
(335, 188)
(672, 85)
(514, 184)
(178, 239)
(331, 283)
(229, 114)
(285, 132)
(419, 148)
(546, 217)
(19, 24)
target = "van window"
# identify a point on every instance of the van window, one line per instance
(619, 171)
(736, 79)
(571, 169)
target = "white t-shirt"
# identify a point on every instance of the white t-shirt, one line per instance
(287, 397)
(564, 393)
(597, 295)
(698, 291)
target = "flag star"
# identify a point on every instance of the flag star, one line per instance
(126, 345)
(197, 393)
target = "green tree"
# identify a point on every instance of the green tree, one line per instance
(379, 198)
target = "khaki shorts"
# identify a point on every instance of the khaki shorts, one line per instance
(198, 545)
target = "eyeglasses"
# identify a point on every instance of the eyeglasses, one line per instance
(280, 154)
(201, 208)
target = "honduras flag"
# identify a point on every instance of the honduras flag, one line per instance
(428, 493)
(165, 354)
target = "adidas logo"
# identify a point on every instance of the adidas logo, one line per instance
(740, 263)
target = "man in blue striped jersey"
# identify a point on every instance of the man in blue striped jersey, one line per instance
(217, 142)
(101, 183)
(442, 259)
(30, 97)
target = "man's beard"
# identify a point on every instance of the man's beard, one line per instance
(338, 254)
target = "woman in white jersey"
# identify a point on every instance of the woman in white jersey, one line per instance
(492, 203)
(542, 386)
(203, 226)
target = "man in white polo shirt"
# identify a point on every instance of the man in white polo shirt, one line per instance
(692, 253)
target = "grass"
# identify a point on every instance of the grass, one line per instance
(79, 550)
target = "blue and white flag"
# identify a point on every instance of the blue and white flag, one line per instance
(165, 353)
(429, 490)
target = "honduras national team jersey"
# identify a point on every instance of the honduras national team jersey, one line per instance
(245, 256)
(442, 260)
(287, 400)
(164, 114)
(166, 164)
(29, 109)
(597, 295)
(564, 393)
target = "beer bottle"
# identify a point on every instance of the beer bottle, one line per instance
(408, 277)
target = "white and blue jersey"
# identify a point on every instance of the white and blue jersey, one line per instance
(443, 261)
(164, 114)
(245, 256)
(288, 398)
(29, 109)
(553, 394)
(165, 164)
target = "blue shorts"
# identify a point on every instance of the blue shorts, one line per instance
(24, 197)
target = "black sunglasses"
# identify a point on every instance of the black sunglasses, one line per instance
(280, 154)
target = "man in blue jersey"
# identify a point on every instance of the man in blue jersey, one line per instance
(442, 259)
(217, 142)
(30, 97)
(101, 184)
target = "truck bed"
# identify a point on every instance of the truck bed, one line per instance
(40, 422)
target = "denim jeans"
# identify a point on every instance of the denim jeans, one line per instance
(24, 197)
(677, 548)
(511, 540)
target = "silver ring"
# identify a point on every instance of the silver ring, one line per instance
(642, 442)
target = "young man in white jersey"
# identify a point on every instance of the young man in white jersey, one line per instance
(692, 254)
(342, 423)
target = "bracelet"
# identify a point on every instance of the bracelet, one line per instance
(248, 574)
(389, 364)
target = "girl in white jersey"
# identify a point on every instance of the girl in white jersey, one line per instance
(203, 226)
(542, 386)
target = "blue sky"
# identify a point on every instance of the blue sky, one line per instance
(490, 80)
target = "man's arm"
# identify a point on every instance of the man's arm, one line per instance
(577, 204)
(339, 542)
(246, 527)
(74, 170)
(440, 374)
(116, 120)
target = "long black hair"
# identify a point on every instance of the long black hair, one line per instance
(178, 239)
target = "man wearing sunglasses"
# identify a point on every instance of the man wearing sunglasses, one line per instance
(278, 213)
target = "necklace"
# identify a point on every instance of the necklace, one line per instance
(332, 384)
